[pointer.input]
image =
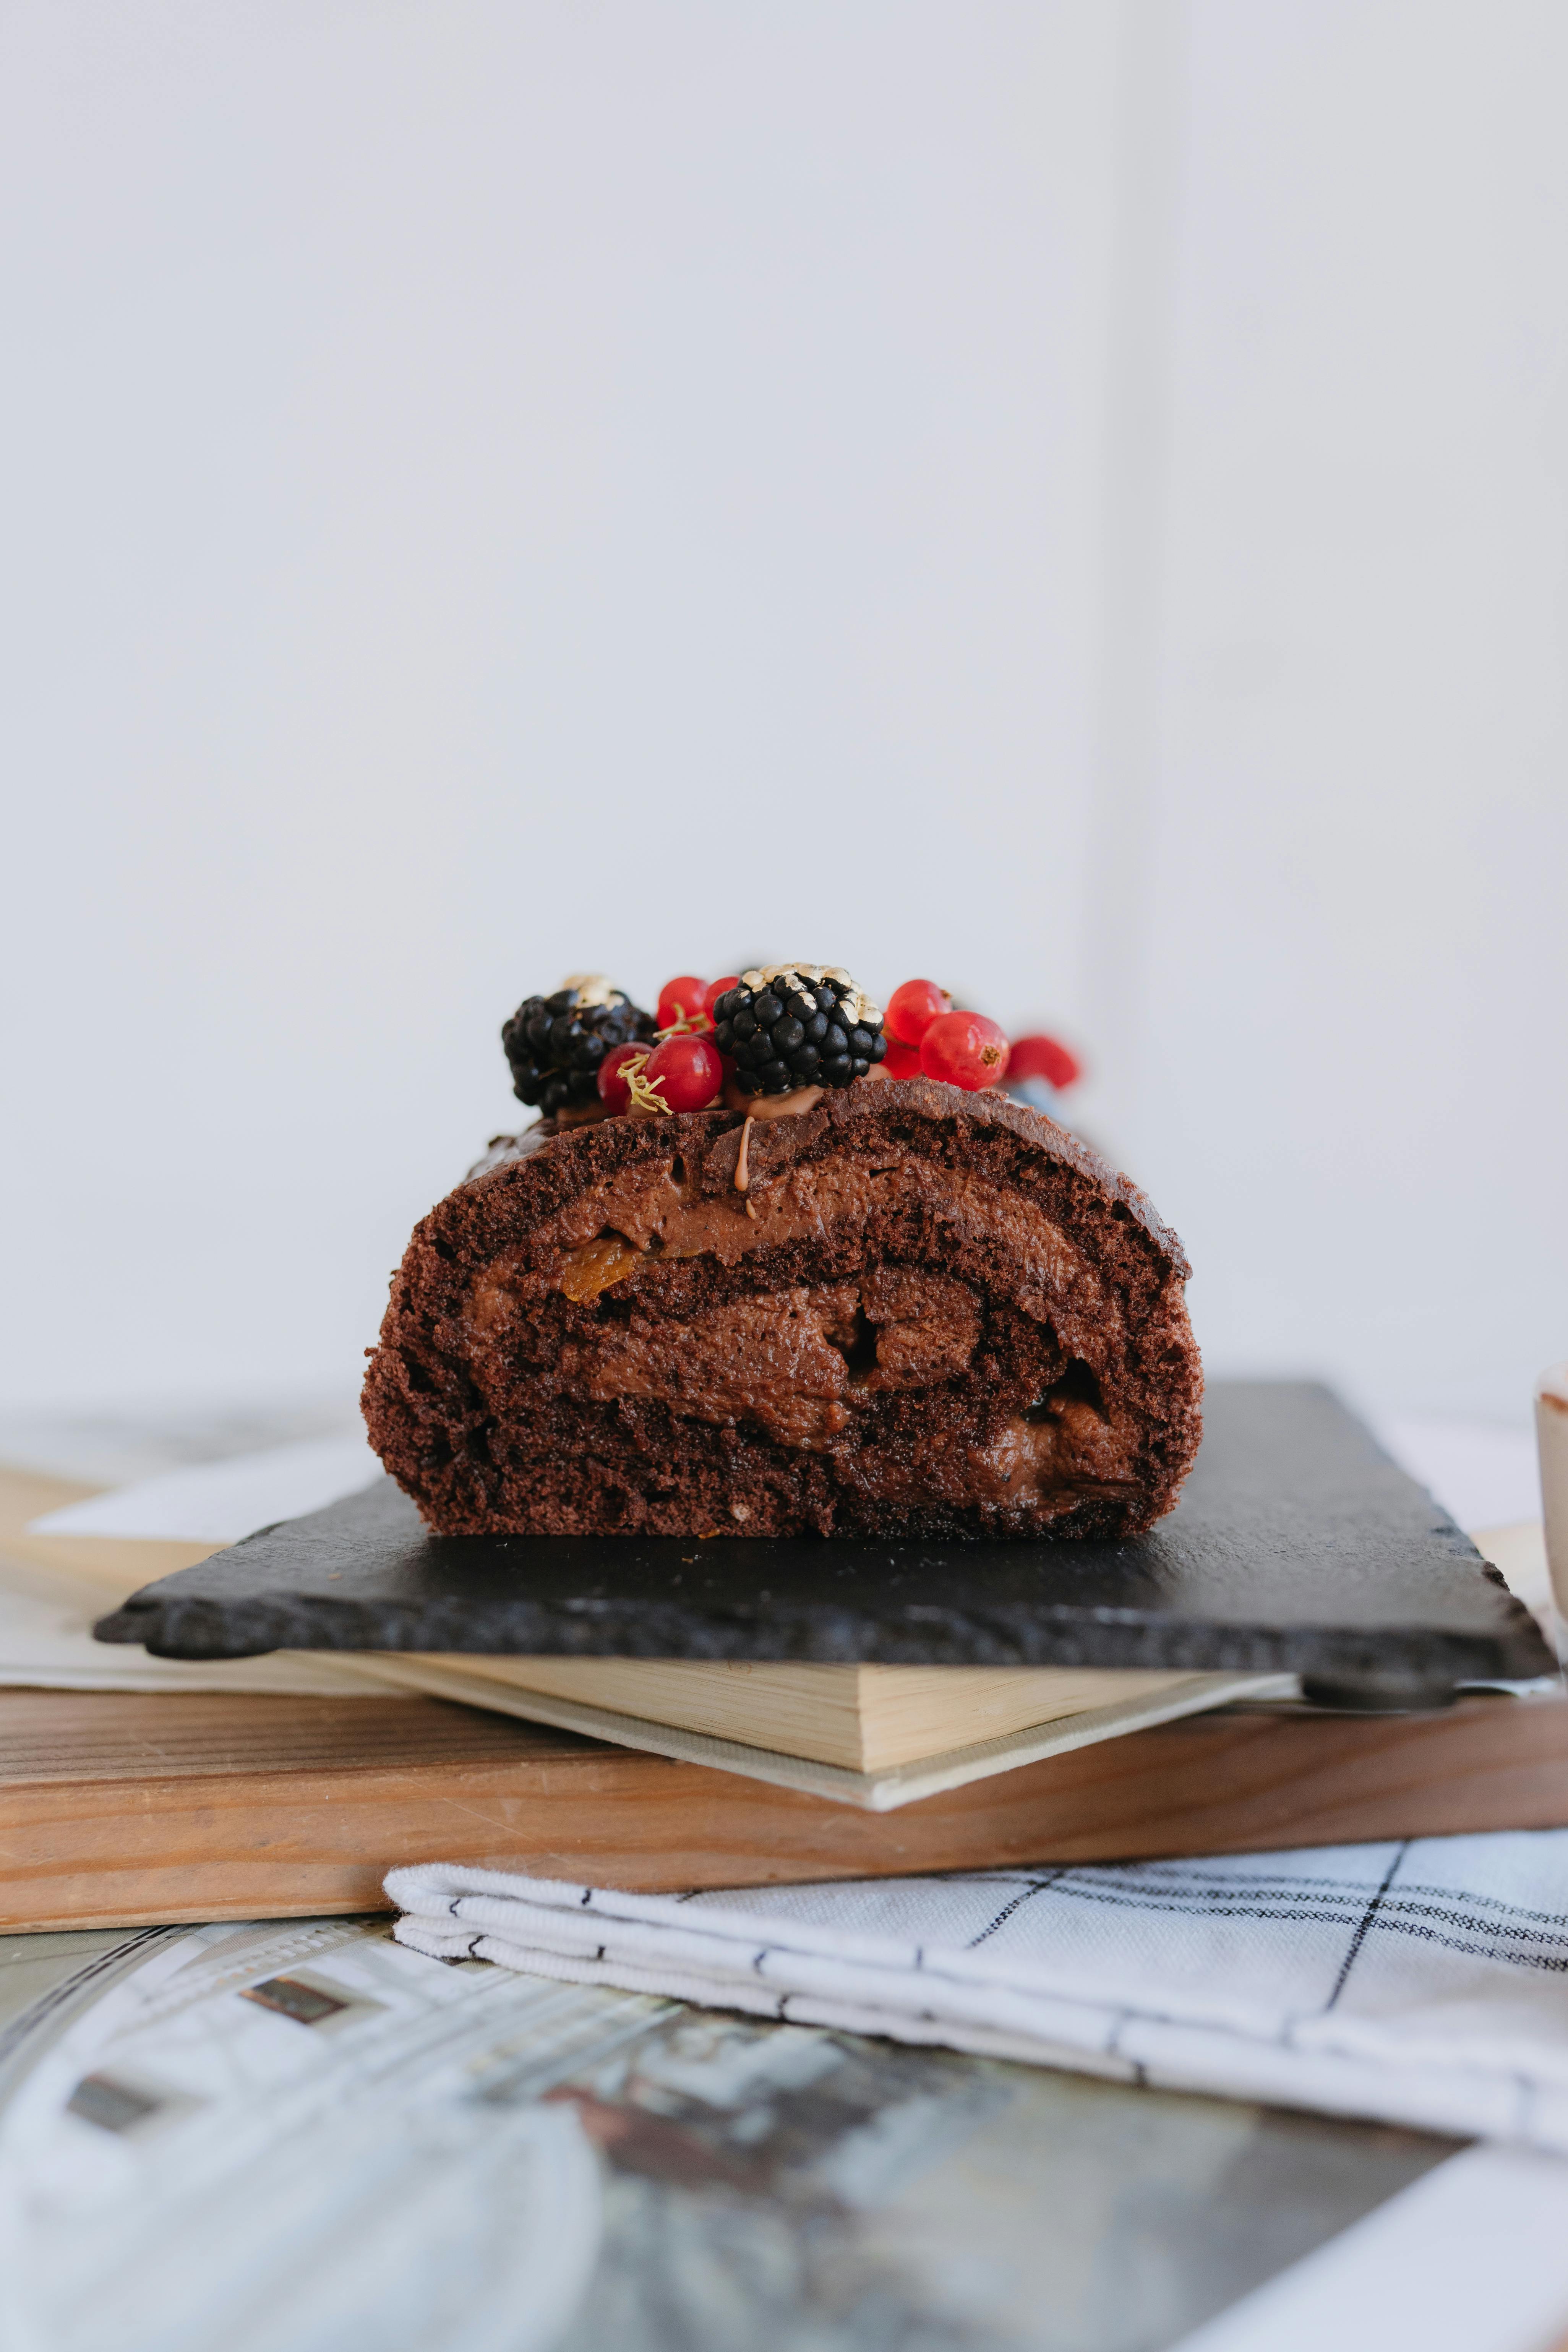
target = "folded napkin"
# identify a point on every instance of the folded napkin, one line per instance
(1422, 1982)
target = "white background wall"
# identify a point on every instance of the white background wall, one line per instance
(1065, 498)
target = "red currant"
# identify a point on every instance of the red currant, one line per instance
(685, 1072)
(680, 1001)
(613, 1090)
(901, 1061)
(964, 1049)
(717, 989)
(1042, 1058)
(913, 1008)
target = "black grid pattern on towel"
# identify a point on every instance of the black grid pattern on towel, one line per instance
(1480, 1926)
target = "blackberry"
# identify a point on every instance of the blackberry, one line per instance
(797, 1025)
(555, 1044)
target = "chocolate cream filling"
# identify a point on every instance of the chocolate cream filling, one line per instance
(803, 1363)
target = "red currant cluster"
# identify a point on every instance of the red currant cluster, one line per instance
(683, 1071)
(926, 1036)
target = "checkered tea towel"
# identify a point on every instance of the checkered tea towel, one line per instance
(1424, 1982)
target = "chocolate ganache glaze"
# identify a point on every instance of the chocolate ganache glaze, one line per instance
(929, 1312)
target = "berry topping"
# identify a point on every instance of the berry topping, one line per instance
(794, 1025)
(613, 1089)
(717, 988)
(964, 1049)
(682, 1004)
(1042, 1058)
(555, 1044)
(681, 1074)
(903, 1061)
(913, 1008)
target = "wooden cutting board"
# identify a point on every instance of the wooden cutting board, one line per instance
(126, 1808)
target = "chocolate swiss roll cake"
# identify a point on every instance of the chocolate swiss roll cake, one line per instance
(909, 1309)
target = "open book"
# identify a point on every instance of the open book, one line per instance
(864, 1719)
(871, 1736)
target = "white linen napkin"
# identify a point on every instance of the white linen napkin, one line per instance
(1423, 1981)
(223, 1502)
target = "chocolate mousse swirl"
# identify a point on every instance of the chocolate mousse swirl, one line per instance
(931, 1313)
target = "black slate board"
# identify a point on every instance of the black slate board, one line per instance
(1298, 1547)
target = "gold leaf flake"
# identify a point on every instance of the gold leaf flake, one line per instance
(808, 976)
(591, 988)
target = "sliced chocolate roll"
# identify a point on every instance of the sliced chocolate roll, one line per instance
(908, 1311)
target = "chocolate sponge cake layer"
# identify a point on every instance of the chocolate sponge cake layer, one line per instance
(930, 1312)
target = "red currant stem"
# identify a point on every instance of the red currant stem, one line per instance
(642, 1091)
(698, 1026)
